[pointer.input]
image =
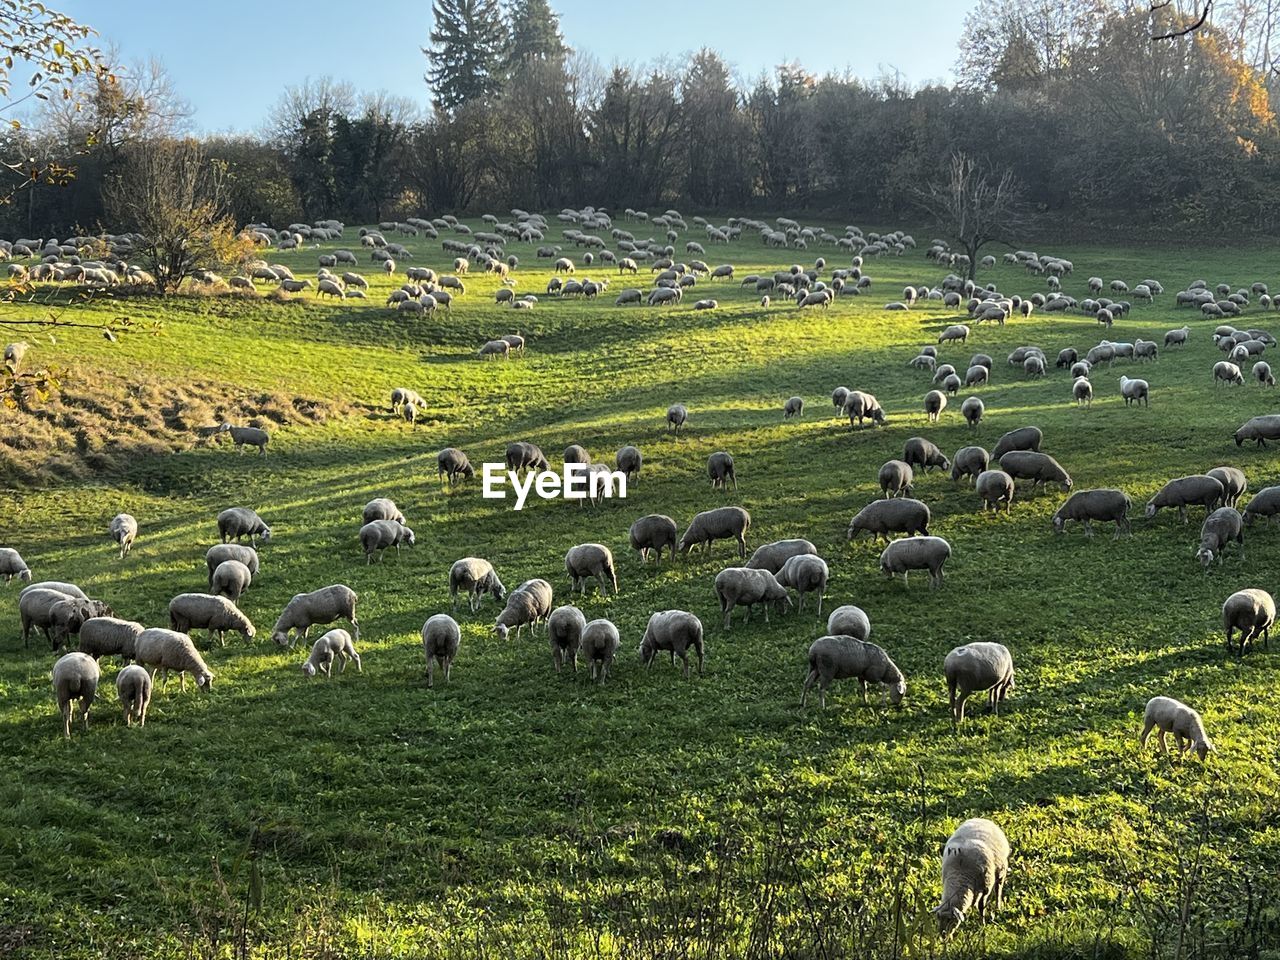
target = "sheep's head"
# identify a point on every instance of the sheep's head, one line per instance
(309, 669)
(25, 576)
(948, 918)
(1204, 747)
(1205, 556)
(501, 631)
(1059, 523)
(280, 638)
(896, 692)
(205, 681)
(1151, 510)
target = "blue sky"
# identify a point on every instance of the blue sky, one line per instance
(231, 59)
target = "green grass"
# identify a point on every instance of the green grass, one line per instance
(530, 814)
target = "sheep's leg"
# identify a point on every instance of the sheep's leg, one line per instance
(1146, 732)
(66, 719)
(1164, 744)
(431, 671)
(1088, 529)
(863, 684)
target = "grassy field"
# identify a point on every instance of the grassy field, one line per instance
(514, 812)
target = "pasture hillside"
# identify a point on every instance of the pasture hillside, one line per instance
(514, 812)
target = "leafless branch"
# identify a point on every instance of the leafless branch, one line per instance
(1185, 30)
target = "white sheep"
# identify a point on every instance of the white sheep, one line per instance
(133, 689)
(75, 677)
(975, 866)
(1173, 716)
(334, 645)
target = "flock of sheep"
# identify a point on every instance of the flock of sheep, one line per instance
(777, 575)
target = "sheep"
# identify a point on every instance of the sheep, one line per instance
(243, 437)
(794, 407)
(772, 556)
(883, 517)
(133, 690)
(849, 621)
(1082, 392)
(12, 565)
(920, 452)
(1024, 438)
(676, 631)
(839, 396)
(973, 410)
(57, 615)
(1145, 350)
(843, 657)
(935, 401)
(941, 373)
(335, 644)
(896, 479)
(916, 553)
(452, 465)
(741, 586)
(13, 354)
(1039, 468)
(1259, 429)
(564, 634)
(721, 471)
(722, 523)
(123, 530)
(237, 522)
(924, 362)
(977, 666)
(381, 508)
(109, 636)
(969, 462)
(1167, 715)
(1265, 503)
(975, 866)
(628, 460)
(1263, 375)
(192, 611)
(1196, 490)
(1219, 529)
(1103, 505)
(1226, 372)
(222, 552)
(526, 604)
(305, 610)
(1033, 366)
(377, 536)
(676, 416)
(1066, 358)
(862, 406)
(957, 331)
(1135, 391)
(806, 573)
(169, 650)
(1253, 613)
(653, 533)
(475, 577)
(75, 677)
(591, 560)
(525, 456)
(494, 348)
(1177, 338)
(995, 487)
(599, 643)
(1234, 483)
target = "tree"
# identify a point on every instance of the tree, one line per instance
(172, 195)
(467, 50)
(535, 33)
(974, 206)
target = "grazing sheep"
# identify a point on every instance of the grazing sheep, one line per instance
(839, 397)
(772, 556)
(75, 677)
(897, 479)
(920, 452)
(133, 690)
(843, 657)
(677, 632)
(653, 533)
(168, 650)
(494, 348)
(196, 611)
(1253, 613)
(1226, 372)
(957, 331)
(995, 487)
(807, 573)
(59, 616)
(1265, 503)
(974, 667)
(1234, 483)
(1024, 438)
(12, 565)
(305, 610)
(1136, 391)
(741, 586)
(969, 462)
(1177, 338)
(794, 407)
(1103, 505)
(243, 437)
(1196, 490)
(70, 589)
(849, 621)
(863, 406)
(977, 375)
(676, 416)
(526, 605)
(124, 530)
(1167, 715)
(916, 553)
(334, 645)
(237, 522)
(1262, 373)
(1039, 468)
(975, 866)
(1082, 392)
(1259, 429)
(1219, 529)
(935, 401)
(883, 517)
(1066, 358)
(591, 560)
(452, 464)
(722, 523)
(381, 508)
(599, 644)
(564, 633)
(109, 636)
(525, 456)
(377, 536)
(441, 637)
(973, 409)
(721, 471)
(628, 460)
(475, 577)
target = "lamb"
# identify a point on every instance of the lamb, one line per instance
(124, 530)
(1196, 490)
(849, 621)
(975, 866)
(807, 573)
(12, 565)
(1265, 503)
(1253, 613)
(676, 416)
(57, 615)
(1024, 438)
(935, 401)
(741, 586)
(794, 407)
(883, 517)
(526, 604)
(896, 479)
(564, 633)
(377, 536)
(973, 409)
(168, 650)
(305, 610)
(109, 636)
(1226, 372)
(75, 677)
(248, 436)
(920, 452)
(452, 464)
(1259, 429)
(1234, 483)
(628, 460)
(977, 666)
(591, 560)
(475, 577)
(995, 487)
(1082, 392)
(1135, 391)
(772, 556)
(721, 471)
(1220, 528)
(381, 508)
(335, 644)
(222, 552)
(133, 689)
(969, 462)
(722, 523)
(652, 534)
(1167, 715)
(676, 631)
(1039, 468)
(916, 553)
(1103, 505)
(237, 522)
(194, 611)
(842, 657)
(600, 642)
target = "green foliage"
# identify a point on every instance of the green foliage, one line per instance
(466, 56)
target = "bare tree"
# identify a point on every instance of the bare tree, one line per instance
(1181, 24)
(975, 206)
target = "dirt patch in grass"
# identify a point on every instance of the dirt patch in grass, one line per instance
(101, 421)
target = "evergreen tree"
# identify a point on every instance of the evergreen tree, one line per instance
(535, 33)
(468, 47)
